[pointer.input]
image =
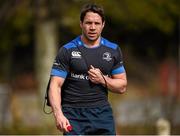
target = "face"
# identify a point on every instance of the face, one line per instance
(92, 27)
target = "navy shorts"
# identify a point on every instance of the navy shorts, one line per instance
(90, 121)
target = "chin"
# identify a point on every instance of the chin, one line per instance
(92, 38)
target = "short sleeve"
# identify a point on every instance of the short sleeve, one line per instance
(118, 62)
(61, 64)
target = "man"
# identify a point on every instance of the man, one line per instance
(83, 72)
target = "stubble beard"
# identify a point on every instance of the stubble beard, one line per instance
(91, 40)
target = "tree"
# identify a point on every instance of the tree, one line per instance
(46, 41)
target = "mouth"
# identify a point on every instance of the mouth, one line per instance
(92, 34)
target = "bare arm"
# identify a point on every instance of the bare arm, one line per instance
(55, 101)
(117, 83)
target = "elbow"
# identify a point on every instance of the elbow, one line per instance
(119, 90)
(122, 89)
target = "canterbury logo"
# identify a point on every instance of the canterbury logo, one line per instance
(76, 54)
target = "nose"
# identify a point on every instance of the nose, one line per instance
(92, 27)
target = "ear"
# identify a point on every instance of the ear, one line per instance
(103, 24)
(81, 24)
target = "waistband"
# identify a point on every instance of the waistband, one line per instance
(86, 105)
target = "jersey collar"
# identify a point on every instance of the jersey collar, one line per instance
(80, 42)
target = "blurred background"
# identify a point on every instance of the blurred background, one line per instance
(148, 32)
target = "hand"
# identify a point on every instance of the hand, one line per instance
(62, 123)
(95, 75)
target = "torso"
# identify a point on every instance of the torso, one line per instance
(77, 89)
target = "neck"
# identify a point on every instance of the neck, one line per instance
(90, 43)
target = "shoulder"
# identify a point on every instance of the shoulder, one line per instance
(109, 44)
(72, 44)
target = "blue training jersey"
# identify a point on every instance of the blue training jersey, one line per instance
(72, 63)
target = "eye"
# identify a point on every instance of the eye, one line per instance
(88, 23)
(97, 23)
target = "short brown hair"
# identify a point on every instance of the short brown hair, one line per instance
(92, 8)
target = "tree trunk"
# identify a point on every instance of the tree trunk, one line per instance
(46, 41)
